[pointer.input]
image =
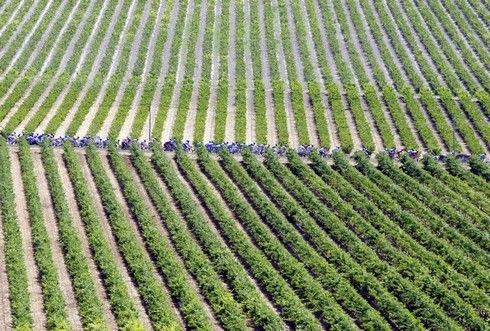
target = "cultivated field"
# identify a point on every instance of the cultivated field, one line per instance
(368, 73)
(104, 241)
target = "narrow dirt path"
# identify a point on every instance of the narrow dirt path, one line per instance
(134, 227)
(126, 128)
(133, 57)
(41, 41)
(199, 60)
(387, 43)
(5, 318)
(133, 292)
(266, 77)
(78, 224)
(215, 67)
(116, 57)
(58, 257)
(154, 213)
(61, 66)
(249, 76)
(180, 73)
(372, 43)
(12, 16)
(30, 60)
(215, 230)
(20, 27)
(155, 103)
(231, 111)
(281, 60)
(35, 291)
(93, 71)
(299, 67)
(357, 144)
(378, 143)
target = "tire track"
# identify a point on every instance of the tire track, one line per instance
(133, 292)
(133, 57)
(154, 213)
(95, 66)
(35, 291)
(126, 128)
(231, 111)
(132, 223)
(78, 225)
(58, 257)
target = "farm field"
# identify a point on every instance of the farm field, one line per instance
(108, 240)
(368, 74)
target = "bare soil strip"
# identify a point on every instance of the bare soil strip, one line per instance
(5, 318)
(58, 257)
(127, 211)
(64, 92)
(133, 57)
(78, 224)
(266, 77)
(35, 291)
(215, 66)
(181, 72)
(116, 57)
(126, 128)
(93, 71)
(299, 65)
(61, 67)
(155, 103)
(191, 114)
(12, 15)
(230, 112)
(133, 292)
(249, 75)
(30, 60)
(378, 143)
(281, 60)
(20, 27)
(163, 231)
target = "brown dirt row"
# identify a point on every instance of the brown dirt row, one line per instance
(143, 317)
(230, 114)
(35, 291)
(58, 257)
(132, 223)
(164, 232)
(78, 224)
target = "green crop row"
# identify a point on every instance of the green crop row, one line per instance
(89, 305)
(152, 292)
(53, 300)
(223, 261)
(12, 248)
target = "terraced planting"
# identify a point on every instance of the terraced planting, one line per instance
(103, 240)
(409, 74)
